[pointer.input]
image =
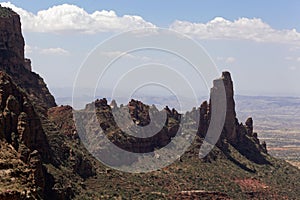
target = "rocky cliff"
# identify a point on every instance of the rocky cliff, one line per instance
(13, 62)
(234, 133)
(37, 158)
(21, 129)
(237, 134)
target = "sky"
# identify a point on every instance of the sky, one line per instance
(257, 41)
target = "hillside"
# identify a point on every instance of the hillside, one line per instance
(42, 155)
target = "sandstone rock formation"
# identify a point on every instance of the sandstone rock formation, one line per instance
(11, 40)
(33, 141)
(13, 62)
(37, 143)
(230, 121)
(62, 117)
(21, 127)
(139, 113)
(20, 124)
(233, 132)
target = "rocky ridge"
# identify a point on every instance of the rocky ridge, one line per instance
(239, 135)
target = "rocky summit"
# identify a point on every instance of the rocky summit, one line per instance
(42, 155)
(13, 62)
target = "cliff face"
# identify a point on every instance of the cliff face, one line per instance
(20, 124)
(21, 128)
(230, 120)
(32, 147)
(11, 41)
(12, 60)
(236, 134)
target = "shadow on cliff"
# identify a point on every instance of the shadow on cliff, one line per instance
(251, 151)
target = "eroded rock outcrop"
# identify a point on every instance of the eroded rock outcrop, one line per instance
(139, 114)
(237, 134)
(62, 116)
(11, 39)
(13, 62)
(21, 127)
(230, 120)
(20, 124)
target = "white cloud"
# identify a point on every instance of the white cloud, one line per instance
(71, 18)
(242, 29)
(54, 51)
(298, 59)
(228, 60)
(46, 51)
(115, 54)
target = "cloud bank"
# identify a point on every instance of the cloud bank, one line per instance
(71, 18)
(68, 18)
(46, 51)
(242, 29)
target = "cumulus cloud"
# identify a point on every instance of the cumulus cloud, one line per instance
(54, 51)
(71, 18)
(242, 29)
(115, 54)
(46, 51)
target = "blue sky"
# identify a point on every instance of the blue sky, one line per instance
(258, 41)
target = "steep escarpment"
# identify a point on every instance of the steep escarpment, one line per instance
(23, 140)
(20, 124)
(13, 62)
(38, 160)
(237, 134)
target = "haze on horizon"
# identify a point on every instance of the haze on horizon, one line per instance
(258, 42)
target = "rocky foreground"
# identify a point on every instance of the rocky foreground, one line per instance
(42, 156)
